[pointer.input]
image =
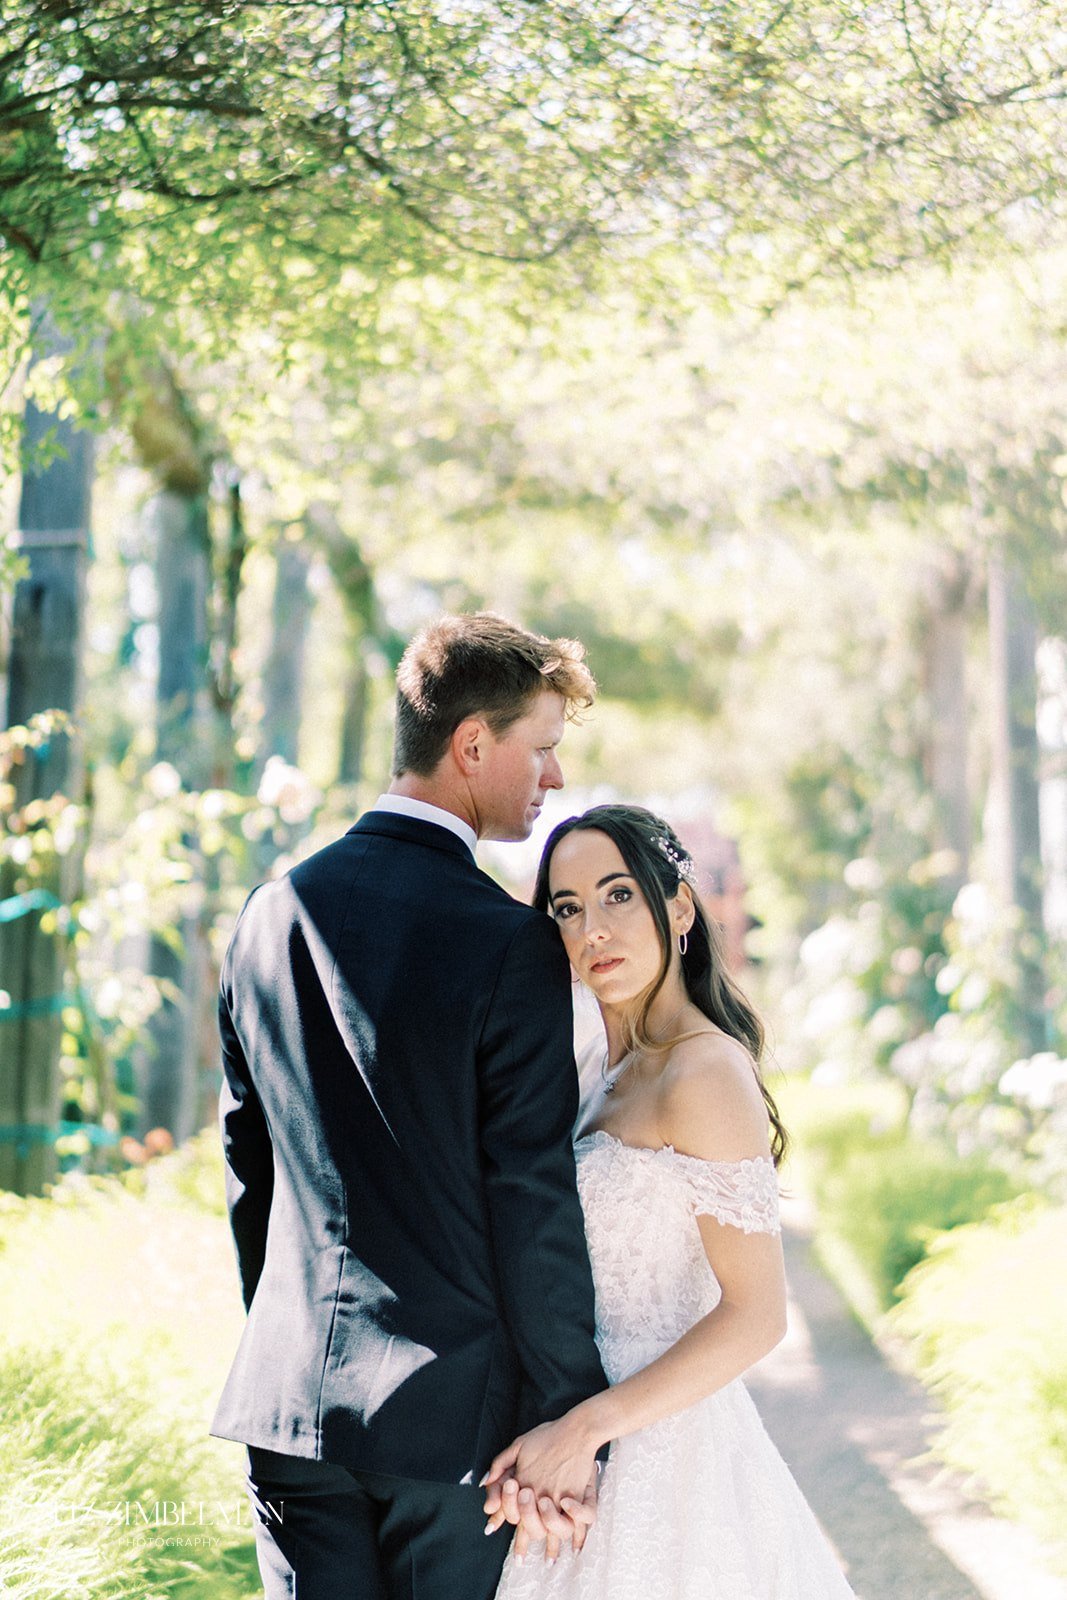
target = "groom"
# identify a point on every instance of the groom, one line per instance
(396, 1114)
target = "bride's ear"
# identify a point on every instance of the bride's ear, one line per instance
(683, 910)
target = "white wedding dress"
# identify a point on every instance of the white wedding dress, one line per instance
(699, 1506)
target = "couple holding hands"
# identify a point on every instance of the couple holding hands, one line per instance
(479, 1300)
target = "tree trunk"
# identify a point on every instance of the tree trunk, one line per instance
(1052, 730)
(44, 674)
(169, 1087)
(355, 586)
(223, 669)
(354, 713)
(944, 647)
(284, 673)
(1015, 794)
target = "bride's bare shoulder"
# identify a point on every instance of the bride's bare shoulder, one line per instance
(709, 1100)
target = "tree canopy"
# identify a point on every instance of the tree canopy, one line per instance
(249, 156)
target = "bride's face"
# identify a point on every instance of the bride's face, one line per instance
(604, 918)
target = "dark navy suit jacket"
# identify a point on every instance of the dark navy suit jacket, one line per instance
(398, 1100)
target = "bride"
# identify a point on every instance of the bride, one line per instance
(676, 1152)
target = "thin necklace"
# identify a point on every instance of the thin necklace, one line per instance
(609, 1083)
(628, 1059)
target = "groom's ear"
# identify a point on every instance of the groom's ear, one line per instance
(468, 746)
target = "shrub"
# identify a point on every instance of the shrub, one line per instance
(93, 1469)
(192, 1176)
(878, 1189)
(986, 1317)
(121, 1312)
(887, 1203)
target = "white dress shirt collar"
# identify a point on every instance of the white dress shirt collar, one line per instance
(404, 806)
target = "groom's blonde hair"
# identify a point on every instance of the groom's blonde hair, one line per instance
(478, 666)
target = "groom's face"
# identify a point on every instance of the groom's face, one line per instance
(521, 766)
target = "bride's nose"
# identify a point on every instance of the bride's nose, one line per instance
(595, 931)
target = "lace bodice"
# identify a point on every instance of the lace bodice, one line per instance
(699, 1504)
(652, 1276)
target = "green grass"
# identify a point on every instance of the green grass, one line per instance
(121, 1313)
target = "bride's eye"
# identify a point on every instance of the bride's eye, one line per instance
(563, 911)
(620, 896)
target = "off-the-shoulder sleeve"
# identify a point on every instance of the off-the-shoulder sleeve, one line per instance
(743, 1194)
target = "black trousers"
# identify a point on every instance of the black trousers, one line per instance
(332, 1533)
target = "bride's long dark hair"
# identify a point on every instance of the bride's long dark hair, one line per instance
(659, 864)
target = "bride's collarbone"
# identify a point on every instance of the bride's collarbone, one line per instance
(630, 1119)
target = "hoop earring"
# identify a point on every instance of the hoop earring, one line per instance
(683, 943)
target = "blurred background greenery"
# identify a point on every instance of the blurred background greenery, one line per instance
(732, 340)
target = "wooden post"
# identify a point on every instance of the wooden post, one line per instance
(44, 674)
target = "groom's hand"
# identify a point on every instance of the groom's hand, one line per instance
(582, 1513)
(536, 1520)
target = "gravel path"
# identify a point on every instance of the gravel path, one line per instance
(854, 1431)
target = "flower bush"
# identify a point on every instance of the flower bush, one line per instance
(935, 1005)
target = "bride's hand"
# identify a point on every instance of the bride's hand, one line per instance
(544, 1524)
(556, 1462)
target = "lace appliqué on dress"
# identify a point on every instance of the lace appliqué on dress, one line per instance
(743, 1194)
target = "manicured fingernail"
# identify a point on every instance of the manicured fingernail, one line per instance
(519, 1560)
(551, 1562)
(483, 1480)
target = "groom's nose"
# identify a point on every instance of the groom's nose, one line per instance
(552, 776)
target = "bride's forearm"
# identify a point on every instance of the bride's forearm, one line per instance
(719, 1348)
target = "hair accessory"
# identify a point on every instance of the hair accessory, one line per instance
(679, 859)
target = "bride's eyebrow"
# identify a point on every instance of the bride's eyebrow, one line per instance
(561, 894)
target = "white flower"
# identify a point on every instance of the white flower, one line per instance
(863, 873)
(973, 992)
(163, 781)
(109, 997)
(213, 803)
(907, 961)
(288, 790)
(65, 832)
(826, 950)
(840, 1004)
(888, 1025)
(1038, 1081)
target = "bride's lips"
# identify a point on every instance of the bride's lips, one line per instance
(606, 966)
